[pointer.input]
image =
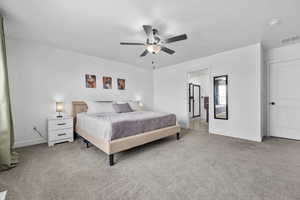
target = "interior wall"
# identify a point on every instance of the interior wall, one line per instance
(203, 81)
(39, 75)
(264, 94)
(243, 67)
(284, 53)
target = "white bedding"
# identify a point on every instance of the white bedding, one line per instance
(91, 124)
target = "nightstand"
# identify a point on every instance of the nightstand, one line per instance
(2, 195)
(60, 130)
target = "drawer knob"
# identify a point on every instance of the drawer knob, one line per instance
(60, 124)
(61, 134)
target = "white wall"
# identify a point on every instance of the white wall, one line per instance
(203, 81)
(39, 75)
(284, 53)
(243, 67)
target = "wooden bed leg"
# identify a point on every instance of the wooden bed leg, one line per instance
(111, 159)
(87, 143)
(177, 136)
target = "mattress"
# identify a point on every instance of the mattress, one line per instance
(111, 126)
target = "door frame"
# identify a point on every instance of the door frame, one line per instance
(209, 93)
(268, 64)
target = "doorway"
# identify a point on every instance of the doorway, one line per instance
(198, 91)
(284, 97)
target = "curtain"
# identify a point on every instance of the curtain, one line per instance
(8, 158)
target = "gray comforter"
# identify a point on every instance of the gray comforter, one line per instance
(133, 123)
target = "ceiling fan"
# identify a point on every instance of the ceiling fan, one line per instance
(154, 43)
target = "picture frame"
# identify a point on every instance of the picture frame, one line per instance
(121, 84)
(107, 82)
(90, 81)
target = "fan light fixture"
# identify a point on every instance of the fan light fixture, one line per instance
(153, 48)
(154, 43)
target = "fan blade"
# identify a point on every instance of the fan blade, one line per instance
(176, 38)
(147, 29)
(167, 50)
(144, 53)
(131, 43)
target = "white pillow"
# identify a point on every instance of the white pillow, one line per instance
(99, 107)
(135, 105)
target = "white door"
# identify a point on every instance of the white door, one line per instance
(285, 99)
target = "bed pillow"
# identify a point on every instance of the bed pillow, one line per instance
(99, 107)
(122, 108)
(135, 105)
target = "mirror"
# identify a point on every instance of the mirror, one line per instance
(221, 97)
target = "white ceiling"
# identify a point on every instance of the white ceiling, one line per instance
(95, 27)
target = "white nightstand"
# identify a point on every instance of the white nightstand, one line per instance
(2, 195)
(60, 130)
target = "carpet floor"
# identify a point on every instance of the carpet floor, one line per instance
(198, 166)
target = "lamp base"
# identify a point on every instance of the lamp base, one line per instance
(59, 115)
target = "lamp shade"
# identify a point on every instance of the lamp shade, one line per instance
(59, 106)
(140, 104)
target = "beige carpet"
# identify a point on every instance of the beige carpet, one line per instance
(199, 166)
(198, 125)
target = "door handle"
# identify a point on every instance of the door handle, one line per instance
(272, 103)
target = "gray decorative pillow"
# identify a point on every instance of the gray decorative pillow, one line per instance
(122, 108)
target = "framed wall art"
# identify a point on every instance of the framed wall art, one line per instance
(90, 81)
(121, 84)
(107, 82)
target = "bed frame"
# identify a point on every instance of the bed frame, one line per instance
(118, 145)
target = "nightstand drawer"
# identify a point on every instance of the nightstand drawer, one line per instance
(60, 124)
(60, 134)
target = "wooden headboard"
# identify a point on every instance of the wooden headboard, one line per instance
(78, 107)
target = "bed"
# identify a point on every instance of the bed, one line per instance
(113, 132)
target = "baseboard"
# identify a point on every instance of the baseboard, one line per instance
(26, 143)
(242, 138)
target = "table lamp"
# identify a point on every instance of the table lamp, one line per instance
(59, 109)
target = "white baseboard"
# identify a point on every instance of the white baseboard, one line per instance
(243, 138)
(26, 143)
